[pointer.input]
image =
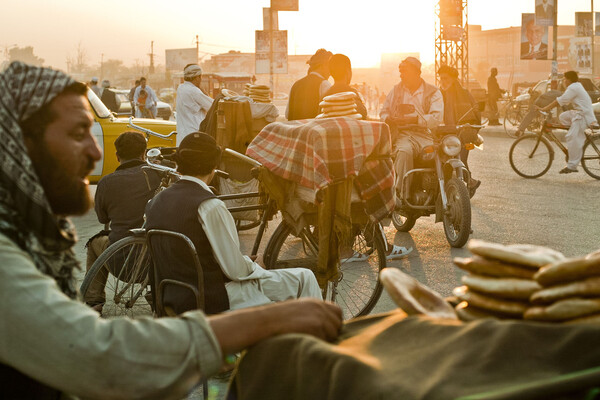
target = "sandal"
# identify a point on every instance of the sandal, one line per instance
(355, 257)
(398, 252)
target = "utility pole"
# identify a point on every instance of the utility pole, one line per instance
(197, 50)
(151, 57)
(593, 33)
(271, 33)
(554, 80)
(101, 66)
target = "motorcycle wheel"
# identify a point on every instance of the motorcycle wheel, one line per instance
(403, 222)
(457, 221)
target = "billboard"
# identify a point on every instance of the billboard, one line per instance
(544, 12)
(597, 24)
(451, 12)
(177, 59)
(583, 24)
(284, 5)
(534, 39)
(580, 54)
(267, 20)
(262, 52)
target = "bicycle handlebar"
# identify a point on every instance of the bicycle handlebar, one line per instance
(148, 131)
(243, 157)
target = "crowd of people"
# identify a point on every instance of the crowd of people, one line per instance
(52, 343)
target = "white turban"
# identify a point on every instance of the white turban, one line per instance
(192, 71)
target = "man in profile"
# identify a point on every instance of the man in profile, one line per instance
(192, 103)
(307, 92)
(341, 71)
(534, 48)
(52, 346)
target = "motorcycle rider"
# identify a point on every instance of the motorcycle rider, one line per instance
(460, 108)
(428, 112)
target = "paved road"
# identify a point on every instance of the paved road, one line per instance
(555, 210)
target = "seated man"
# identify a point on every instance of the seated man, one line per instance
(189, 207)
(121, 198)
(578, 119)
(52, 346)
(341, 71)
(429, 113)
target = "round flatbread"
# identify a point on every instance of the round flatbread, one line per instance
(467, 312)
(584, 288)
(353, 116)
(258, 87)
(349, 107)
(342, 96)
(512, 308)
(588, 319)
(508, 288)
(412, 297)
(568, 270)
(522, 254)
(229, 93)
(564, 309)
(339, 113)
(481, 266)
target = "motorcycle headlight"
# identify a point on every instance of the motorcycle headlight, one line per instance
(451, 145)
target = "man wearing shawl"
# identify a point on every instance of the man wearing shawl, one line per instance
(51, 343)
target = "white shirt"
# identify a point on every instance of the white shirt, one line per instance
(64, 343)
(245, 289)
(401, 95)
(192, 105)
(151, 99)
(579, 98)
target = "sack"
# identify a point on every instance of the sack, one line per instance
(230, 186)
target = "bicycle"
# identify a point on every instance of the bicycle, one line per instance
(531, 155)
(126, 263)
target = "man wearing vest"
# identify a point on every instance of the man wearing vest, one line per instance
(189, 207)
(307, 92)
(428, 104)
(50, 342)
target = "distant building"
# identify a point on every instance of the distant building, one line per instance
(501, 48)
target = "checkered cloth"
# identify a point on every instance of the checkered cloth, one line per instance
(316, 153)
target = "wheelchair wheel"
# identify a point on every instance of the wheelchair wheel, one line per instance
(125, 264)
(358, 288)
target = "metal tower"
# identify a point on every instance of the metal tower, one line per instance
(452, 38)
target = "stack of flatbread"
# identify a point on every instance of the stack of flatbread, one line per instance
(500, 280)
(258, 93)
(341, 104)
(570, 291)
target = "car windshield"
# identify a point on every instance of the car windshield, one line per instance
(98, 106)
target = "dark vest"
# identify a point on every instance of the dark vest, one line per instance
(305, 98)
(15, 385)
(176, 209)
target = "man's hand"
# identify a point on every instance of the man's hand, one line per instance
(237, 330)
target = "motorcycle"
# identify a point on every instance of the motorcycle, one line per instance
(439, 185)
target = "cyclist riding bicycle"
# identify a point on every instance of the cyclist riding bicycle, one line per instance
(578, 119)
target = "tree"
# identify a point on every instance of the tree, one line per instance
(24, 54)
(78, 63)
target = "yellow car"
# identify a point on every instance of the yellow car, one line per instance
(107, 128)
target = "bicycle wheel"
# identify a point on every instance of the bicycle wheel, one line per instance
(531, 156)
(512, 118)
(403, 221)
(358, 287)
(127, 287)
(591, 156)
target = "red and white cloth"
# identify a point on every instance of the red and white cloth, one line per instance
(316, 153)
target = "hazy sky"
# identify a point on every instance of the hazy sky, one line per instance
(123, 29)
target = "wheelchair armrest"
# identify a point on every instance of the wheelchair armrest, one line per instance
(165, 282)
